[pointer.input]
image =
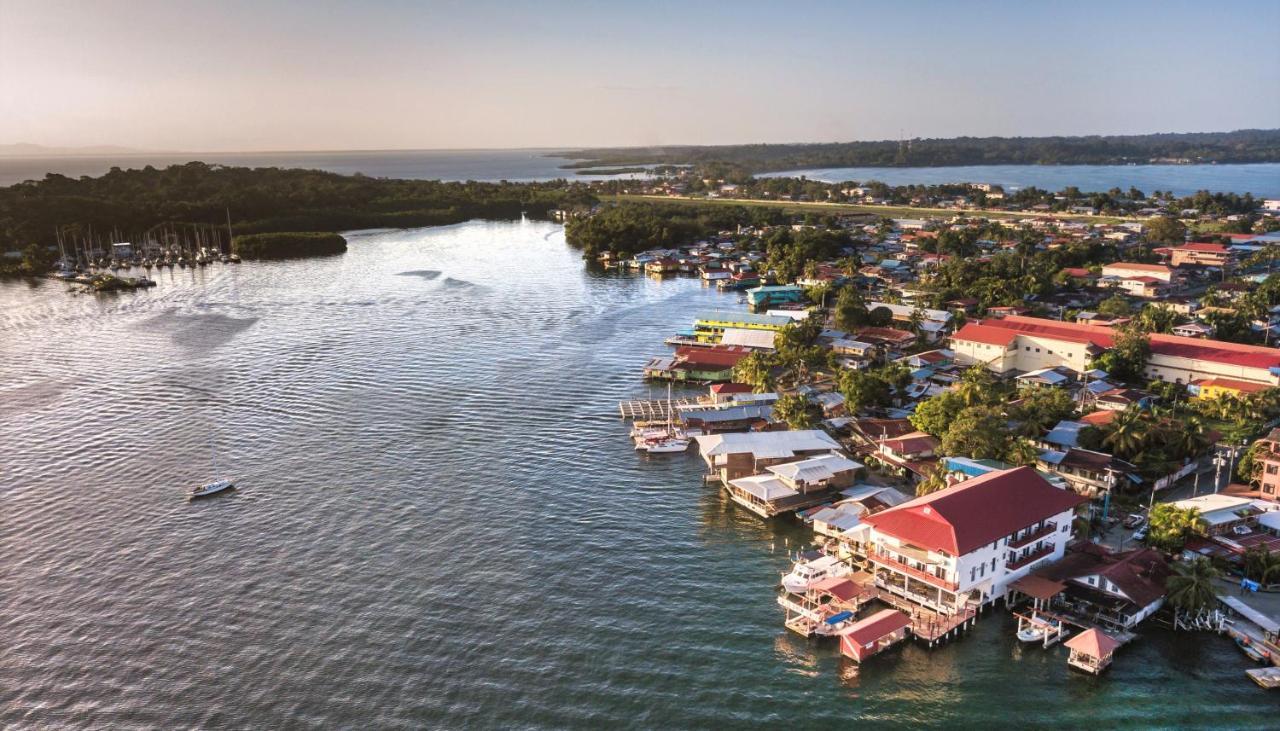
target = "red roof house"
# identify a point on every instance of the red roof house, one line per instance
(967, 516)
(874, 634)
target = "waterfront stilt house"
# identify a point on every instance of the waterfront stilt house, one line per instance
(792, 486)
(958, 549)
(874, 635)
(734, 455)
(1091, 651)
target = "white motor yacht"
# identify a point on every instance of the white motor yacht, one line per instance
(807, 571)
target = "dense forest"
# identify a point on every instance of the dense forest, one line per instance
(260, 200)
(287, 245)
(1241, 146)
(629, 228)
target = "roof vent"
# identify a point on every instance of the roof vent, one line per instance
(927, 510)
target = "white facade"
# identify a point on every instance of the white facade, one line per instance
(946, 583)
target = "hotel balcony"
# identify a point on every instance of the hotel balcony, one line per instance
(1034, 536)
(1030, 557)
(896, 565)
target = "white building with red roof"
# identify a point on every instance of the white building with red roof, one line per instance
(1201, 253)
(1125, 270)
(1017, 344)
(960, 548)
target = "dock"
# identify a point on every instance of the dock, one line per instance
(659, 409)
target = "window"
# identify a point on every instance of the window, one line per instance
(1037, 350)
(993, 564)
(971, 574)
(1028, 348)
(1050, 352)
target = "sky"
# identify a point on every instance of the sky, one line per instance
(324, 75)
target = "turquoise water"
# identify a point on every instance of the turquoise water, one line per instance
(440, 523)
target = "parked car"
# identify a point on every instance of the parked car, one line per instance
(1133, 520)
(1140, 535)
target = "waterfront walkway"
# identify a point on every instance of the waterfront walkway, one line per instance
(652, 410)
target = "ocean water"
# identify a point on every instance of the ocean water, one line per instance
(1262, 179)
(440, 521)
(450, 165)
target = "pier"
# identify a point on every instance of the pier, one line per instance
(661, 409)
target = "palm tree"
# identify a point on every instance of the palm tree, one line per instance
(1189, 438)
(937, 480)
(1127, 433)
(1190, 587)
(1021, 452)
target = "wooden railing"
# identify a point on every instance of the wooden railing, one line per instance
(890, 562)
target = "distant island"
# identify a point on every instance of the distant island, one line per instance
(24, 149)
(1241, 146)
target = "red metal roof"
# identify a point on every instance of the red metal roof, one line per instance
(717, 357)
(1203, 246)
(974, 332)
(912, 443)
(1093, 643)
(967, 516)
(1216, 351)
(731, 388)
(839, 587)
(1233, 384)
(883, 622)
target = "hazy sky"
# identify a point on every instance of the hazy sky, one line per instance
(277, 75)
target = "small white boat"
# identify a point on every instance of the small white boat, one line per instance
(1031, 634)
(806, 572)
(670, 445)
(212, 488)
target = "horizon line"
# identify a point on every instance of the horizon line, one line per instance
(71, 151)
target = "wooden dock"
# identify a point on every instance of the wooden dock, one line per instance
(652, 410)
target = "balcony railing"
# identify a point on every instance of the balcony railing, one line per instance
(928, 578)
(1033, 536)
(1030, 557)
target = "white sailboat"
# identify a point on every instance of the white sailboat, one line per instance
(219, 484)
(669, 442)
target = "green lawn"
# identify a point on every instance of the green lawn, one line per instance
(891, 211)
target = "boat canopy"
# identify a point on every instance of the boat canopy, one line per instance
(840, 617)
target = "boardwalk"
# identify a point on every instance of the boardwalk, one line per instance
(652, 410)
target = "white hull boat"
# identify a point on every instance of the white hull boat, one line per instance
(212, 488)
(666, 446)
(806, 572)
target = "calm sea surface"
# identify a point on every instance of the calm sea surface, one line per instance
(1263, 180)
(489, 165)
(440, 522)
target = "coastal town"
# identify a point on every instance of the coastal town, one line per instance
(1066, 419)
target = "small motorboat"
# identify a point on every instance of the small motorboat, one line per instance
(212, 488)
(1031, 634)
